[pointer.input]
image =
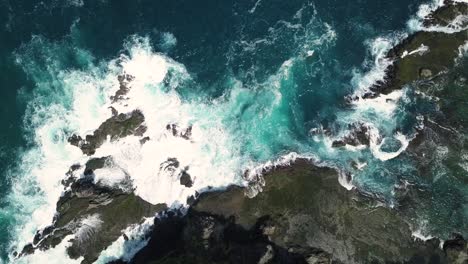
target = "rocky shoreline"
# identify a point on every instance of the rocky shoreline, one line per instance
(302, 215)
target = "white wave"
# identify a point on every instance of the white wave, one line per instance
(462, 50)
(420, 51)
(459, 23)
(420, 232)
(252, 10)
(345, 182)
(89, 226)
(168, 41)
(127, 245)
(56, 255)
(384, 104)
(378, 48)
(211, 154)
(376, 143)
(45, 166)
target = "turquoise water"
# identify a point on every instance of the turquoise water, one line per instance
(245, 69)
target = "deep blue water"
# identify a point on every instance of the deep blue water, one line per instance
(217, 42)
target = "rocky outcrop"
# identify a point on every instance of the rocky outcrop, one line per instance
(95, 215)
(124, 81)
(358, 135)
(439, 50)
(117, 126)
(303, 215)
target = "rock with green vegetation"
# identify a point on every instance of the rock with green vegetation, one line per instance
(116, 127)
(303, 215)
(435, 52)
(96, 216)
(446, 14)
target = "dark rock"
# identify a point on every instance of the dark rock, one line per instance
(446, 14)
(114, 111)
(85, 200)
(124, 81)
(204, 238)
(358, 135)
(443, 49)
(303, 215)
(184, 133)
(96, 163)
(144, 140)
(185, 179)
(115, 127)
(456, 249)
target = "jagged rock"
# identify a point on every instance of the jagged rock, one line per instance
(98, 214)
(204, 238)
(185, 133)
(442, 51)
(124, 81)
(185, 179)
(144, 140)
(96, 163)
(446, 14)
(358, 135)
(115, 127)
(303, 215)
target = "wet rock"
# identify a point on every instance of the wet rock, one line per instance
(144, 140)
(124, 81)
(96, 163)
(93, 208)
(444, 15)
(115, 127)
(443, 49)
(185, 179)
(303, 215)
(358, 135)
(177, 132)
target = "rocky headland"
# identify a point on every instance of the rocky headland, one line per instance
(302, 214)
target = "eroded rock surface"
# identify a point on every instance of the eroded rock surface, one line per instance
(303, 215)
(117, 126)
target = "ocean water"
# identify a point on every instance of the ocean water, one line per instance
(240, 73)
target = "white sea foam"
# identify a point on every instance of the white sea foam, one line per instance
(210, 154)
(56, 255)
(421, 50)
(376, 143)
(126, 247)
(459, 23)
(344, 181)
(421, 232)
(378, 48)
(89, 226)
(44, 167)
(385, 104)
